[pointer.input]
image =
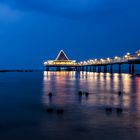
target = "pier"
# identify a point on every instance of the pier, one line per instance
(62, 62)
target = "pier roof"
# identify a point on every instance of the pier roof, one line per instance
(61, 60)
(62, 56)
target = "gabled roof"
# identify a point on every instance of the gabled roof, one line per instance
(62, 56)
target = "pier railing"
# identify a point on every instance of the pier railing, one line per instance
(108, 61)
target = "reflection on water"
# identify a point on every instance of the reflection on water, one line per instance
(89, 113)
(103, 89)
(24, 102)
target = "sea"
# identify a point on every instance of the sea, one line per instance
(82, 106)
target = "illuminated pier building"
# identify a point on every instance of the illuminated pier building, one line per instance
(62, 62)
(94, 65)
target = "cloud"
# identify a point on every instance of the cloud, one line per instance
(74, 9)
(6, 13)
(67, 8)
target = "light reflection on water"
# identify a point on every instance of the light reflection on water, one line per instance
(88, 115)
(103, 88)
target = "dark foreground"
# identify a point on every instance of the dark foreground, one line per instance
(25, 106)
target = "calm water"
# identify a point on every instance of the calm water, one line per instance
(24, 101)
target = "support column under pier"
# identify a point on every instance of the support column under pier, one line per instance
(82, 68)
(133, 69)
(47, 68)
(94, 68)
(91, 68)
(99, 69)
(79, 68)
(119, 68)
(58, 69)
(111, 68)
(105, 69)
(86, 68)
(130, 69)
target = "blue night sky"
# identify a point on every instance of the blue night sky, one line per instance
(35, 30)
